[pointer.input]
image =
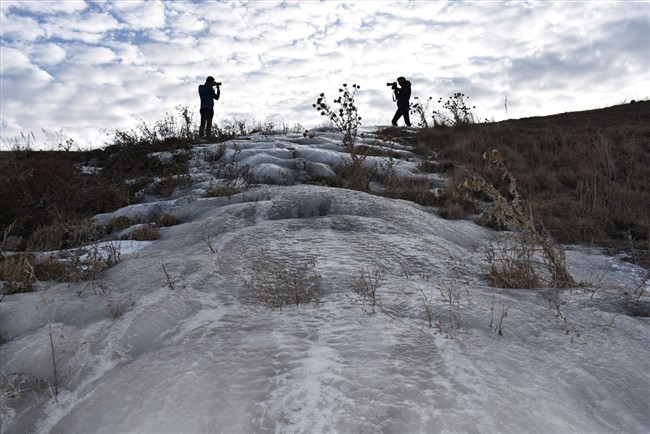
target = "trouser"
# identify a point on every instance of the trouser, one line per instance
(206, 121)
(402, 111)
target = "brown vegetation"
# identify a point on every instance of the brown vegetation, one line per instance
(48, 196)
(584, 174)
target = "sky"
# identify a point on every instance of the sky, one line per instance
(84, 70)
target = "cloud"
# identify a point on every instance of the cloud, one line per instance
(137, 60)
(48, 54)
(91, 29)
(13, 59)
(90, 55)
(21, 28)
(139, 15)
(43, 8)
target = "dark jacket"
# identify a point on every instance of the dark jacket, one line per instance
(207, 94)
(403, 94)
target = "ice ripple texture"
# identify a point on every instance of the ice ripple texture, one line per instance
(205, 358)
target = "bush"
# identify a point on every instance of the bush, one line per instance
(508, 211)
(117, 224)
(275, 284)
(17, 273)
(65, 235)
(143, 233)
(457, 113)
(353, 174)
(452, 210)
(511, 263)
(168, 220)
(461, 113)
(346, 118)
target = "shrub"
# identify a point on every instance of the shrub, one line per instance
(452, 210)
(457, 111)
(171, 129)
(168, 220)
(511, 214)
(461, 113)
(84, 263)
(40, 190)
(230, 129)
(451, 291)
(511, 263)
(117, 224)
(420, 109)
(22, 271)
(65, 234)
(417, 190)
(84, 231)
(275, 284)
(51, 237)
(143, 233)
(366, 287)
(353, 174)
(346, 118)
(17, 273)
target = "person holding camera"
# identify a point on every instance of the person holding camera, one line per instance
(401, 95)
(208, 95)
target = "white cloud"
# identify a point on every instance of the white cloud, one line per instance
(91, 55)
(162, 56)
(275, 58)
(21, 28)
(45, 7)
(91, 28)
(13, 59)
(48, 54)
(187, 21)
(139, 15)
(127, 54)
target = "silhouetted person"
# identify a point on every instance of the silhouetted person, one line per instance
(208, 95)
(402, 97)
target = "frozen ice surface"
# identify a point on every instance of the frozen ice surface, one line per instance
(205, 357)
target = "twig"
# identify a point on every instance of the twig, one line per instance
(169, 278)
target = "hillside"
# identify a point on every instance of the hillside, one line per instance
(238, 296)
(281, 282)
(583, 173)
(630, 114)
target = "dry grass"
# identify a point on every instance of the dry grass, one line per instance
(15, 271)
(65, 235)
(367, 284)
(511, 263)
(118, 224)
(168, 220)
(274, 283)
(43, 191)
(507, 210)
(583, 174)
(143, 233)
(21, 272)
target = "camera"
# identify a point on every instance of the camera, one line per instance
(393, 84)
(216, 83)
